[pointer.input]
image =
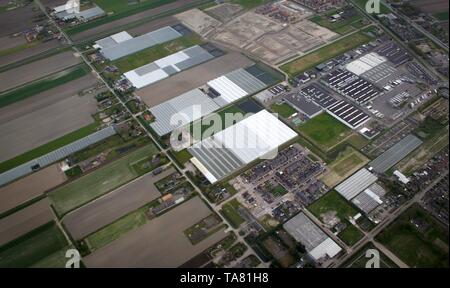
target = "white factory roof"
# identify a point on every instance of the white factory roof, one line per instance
(306, 232)
(195, 104)
(356, 183)
(164, 67)
(231, 149)
(328, 248)
(122, 44)
(365, 63)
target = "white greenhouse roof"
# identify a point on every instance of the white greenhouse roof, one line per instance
(231, 149)
(356, 183)
(328, 248)
(365, 63)
(164, 67)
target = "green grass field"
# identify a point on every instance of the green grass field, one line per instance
(278, 191)
(284, 110)
(341, 27)
(325, 131)
(182, 156)
(39, 86)
(18, 48)
(229, 211)
(99, 182)
(441, 16)
(325, 53)
(116, 229)
(49, 147)
(154, 53)
(249, 4)
(55, 260)
(350, 235)
(32, 247)
(332, 202)
(421, 249)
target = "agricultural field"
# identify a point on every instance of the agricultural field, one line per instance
(249, 4)
(417, 239)
(99, 182)
(182, 156)
(324, 131)
(325, 53)
(151, 246)
(33, 247)
(346, 163)
(39, 86)
(230, 212)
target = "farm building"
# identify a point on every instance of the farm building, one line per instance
(65, 13)
(316, 242)
(123, 44)
(233, 148)
(356, 183)
(167, 66)
(393, 155)
(196, 103)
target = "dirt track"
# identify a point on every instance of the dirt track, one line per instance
(37, 69)
(159, 243)
(30, 187)
(192, 78)
(102, 30)
(44, 117)
(114, 205)
(25, 220)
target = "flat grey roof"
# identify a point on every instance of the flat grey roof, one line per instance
(303, 104)
(305, 231)
(122, 49)
(56, 155)
(396, 153)
(356, 183)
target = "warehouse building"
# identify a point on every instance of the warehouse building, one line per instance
(351, 86)
(233, 148)
(348, 114)
(167, 66)
(303, 104)
(123, 44)
(200, 102)
(356, 183)
(395, 154)
(317, 243)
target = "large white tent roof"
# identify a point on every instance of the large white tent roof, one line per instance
(231, 149)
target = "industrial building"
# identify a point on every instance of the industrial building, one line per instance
(167, 66)
(348, 114)
(123, 44)
(303, 104)
(351, 86)
(319, 95)
(356, 183)
(316, 242)
(202, 101)
(393, 155)
(233, 148)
